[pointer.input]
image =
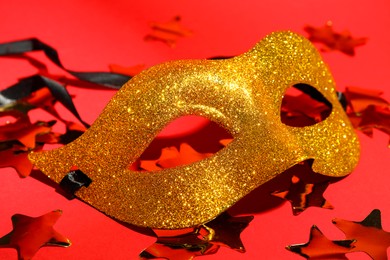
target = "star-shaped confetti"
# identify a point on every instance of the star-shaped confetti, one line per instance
(332, 40)
(206, 239)
(16, 158)
(302, 110)
(180, 245)
(320, 247)
(172, 157)
(168, 32)
(227, 231)
(369, 235)
(29, 234)
(302, 195)
(368, 110)
(130, 71)
(22, 129)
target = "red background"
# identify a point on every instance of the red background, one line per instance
(89, 35)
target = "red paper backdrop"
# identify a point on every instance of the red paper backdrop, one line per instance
(89, 35)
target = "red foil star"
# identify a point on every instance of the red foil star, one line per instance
(332, 40)
(368, 110)
(206, 239)
(172, 157)
(168, 32)
(180, 245)
(131, 71)
(29, 234)
(320, 247)
(369, 235)
(16, 158)
(22, 129)
(302, 195)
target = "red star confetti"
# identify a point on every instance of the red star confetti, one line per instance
(131, 71)
(168, 32)
(16, 158)
(302, 110)
(332, 40)
(227, 231)
(360, 98)
(206, 239)
(175, 245)
(29, 234)
(22, 129)
(369, 235)
(172, 157)
(320, 247)
(302, 195)
(368, 110)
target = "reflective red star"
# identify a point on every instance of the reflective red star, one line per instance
(206, 239)
(302, 195)
(29, 234)
(369, 235)
(320, 247)
(332, 40)
(168, 32)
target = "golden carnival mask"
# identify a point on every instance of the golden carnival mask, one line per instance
(244, 95)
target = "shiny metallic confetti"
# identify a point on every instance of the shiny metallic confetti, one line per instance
(332, 40)
(178, 245)
(206, 239)
(172, 157)
(368, 110)
(320, 247)
(130, 71)
(29, 234)
(244, 95)
(16, 157)
(22, 129)
(303, 195)
(369, 235)
(169, 32)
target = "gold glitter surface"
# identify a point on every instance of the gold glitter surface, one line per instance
(244, 95)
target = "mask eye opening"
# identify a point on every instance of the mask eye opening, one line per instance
(303, 105)
(183, 149)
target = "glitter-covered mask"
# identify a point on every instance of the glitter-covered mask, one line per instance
(243, 94)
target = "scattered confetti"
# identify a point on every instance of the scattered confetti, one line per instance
(22, 129)
(365, 236)
(320, 247)
(29, 234)
(16, 158)
(172, 157)
(368, 110)
(180, 247)
(303, 110)
(206, 239)
(130, 71)
(332, 40)
(303, 195)
(227, 231)
(369, 235)
(168, 32)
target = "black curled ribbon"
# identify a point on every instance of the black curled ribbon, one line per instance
(28, 85)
